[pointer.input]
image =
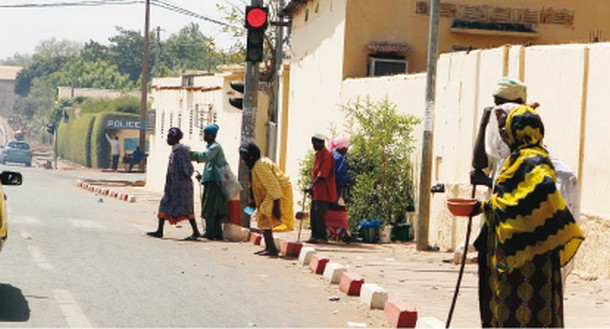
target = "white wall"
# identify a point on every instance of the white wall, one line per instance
(315, 77)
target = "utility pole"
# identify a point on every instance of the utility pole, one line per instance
(248, 125)
(279, 56)
(143, 96)
(423, 222)
(157, 53)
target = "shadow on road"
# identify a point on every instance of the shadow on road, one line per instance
(13, 305)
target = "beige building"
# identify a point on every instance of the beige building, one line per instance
(570, 82)
(8, 74)
(190, 103)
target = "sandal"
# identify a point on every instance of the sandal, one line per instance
(192, 237)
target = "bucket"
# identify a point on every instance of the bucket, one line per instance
(384, 235)
(402, 232)
(369, 234)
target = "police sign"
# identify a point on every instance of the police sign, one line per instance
(123, 123)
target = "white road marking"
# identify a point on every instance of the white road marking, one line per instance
(26, 220)
(70, 309)
(39, 258)
(89, 224)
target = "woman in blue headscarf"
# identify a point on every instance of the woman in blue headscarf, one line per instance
(213, 201)
(177, 202)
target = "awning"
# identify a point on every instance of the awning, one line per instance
(388, 47)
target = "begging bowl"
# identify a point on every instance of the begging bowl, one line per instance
(460, 206)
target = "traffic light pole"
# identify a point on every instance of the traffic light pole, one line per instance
(248, 126)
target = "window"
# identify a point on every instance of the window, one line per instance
(386, 66)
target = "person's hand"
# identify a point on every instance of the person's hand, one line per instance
(477, 209)
(478, 177)
(276, 209)
(486, 114)
(198, 176)
(308, 189)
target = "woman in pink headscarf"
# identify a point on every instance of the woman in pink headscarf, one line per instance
(336, 216)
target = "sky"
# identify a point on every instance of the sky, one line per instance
(23, 28)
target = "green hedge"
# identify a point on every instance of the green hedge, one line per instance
(83, 140)
(74, 139)
(100, 149)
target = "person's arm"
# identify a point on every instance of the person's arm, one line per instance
(204, 156)
(108, 138)
(479, 156)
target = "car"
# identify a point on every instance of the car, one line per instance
(6, 178)
(17, 151)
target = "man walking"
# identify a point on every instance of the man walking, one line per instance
(115, 150)
(322, 188)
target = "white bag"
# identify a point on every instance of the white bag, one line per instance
(228, 182)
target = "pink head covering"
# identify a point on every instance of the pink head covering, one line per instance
(339, 143)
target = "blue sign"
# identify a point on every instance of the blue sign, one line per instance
(122, 123)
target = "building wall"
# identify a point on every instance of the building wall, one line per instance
(569, 82)
(175, 107)
(315, 76)
(399, 20)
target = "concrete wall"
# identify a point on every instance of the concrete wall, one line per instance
(175, 105)
(314, 98)
(570, 83)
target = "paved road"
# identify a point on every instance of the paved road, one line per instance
(73, 261)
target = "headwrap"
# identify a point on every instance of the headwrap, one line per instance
(511, 89)
(212, 129)
(526, 210)
(338, 143)
(250, 149)
(176, 132)
(319, 136)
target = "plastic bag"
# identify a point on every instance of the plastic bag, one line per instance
(228, 182)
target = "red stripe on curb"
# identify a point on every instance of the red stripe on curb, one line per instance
(318, 263)
(351, 283)
(400, 314)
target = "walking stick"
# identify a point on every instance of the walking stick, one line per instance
(459, 281)
(302, 216)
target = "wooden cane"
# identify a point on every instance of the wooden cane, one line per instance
(459, 281)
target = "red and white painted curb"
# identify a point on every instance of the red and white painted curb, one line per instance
(101, 190)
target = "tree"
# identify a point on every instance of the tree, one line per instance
(126, 51)
(379, 160)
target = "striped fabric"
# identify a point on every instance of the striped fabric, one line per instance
(527, 212)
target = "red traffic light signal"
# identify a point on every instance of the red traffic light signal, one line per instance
(256, 17)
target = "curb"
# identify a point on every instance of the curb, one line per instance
(397, 313)
(82, 183)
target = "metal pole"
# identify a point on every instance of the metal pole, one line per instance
(427, 147)
(248, 125)
(157, 53)
(279, 56)
(143, 96)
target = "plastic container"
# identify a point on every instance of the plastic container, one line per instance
(385, 234)
(402, 232)
(369, 234)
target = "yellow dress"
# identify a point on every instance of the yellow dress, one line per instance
(270, 183)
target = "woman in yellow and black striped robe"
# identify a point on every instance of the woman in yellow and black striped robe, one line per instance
(529, 233)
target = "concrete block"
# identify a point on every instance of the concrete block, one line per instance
(351, 283)
(305, 255)
(400, 314)
(131, 198)
(373, 296)
(290, 249)
(255, 238)
(233, 232)
(318, 263)
(430, 323)
(333, 272)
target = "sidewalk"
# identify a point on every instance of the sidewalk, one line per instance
(425, 280)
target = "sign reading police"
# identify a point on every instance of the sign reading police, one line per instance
(122, 123)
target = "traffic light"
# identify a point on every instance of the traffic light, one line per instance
(256, 24)
(51, 129)
(237, 102)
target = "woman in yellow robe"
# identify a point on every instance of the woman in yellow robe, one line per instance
(272, 196)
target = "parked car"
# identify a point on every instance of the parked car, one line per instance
(17, 151)
(6, 178)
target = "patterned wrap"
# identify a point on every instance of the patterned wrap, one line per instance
(177, 202)
(269, 183)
